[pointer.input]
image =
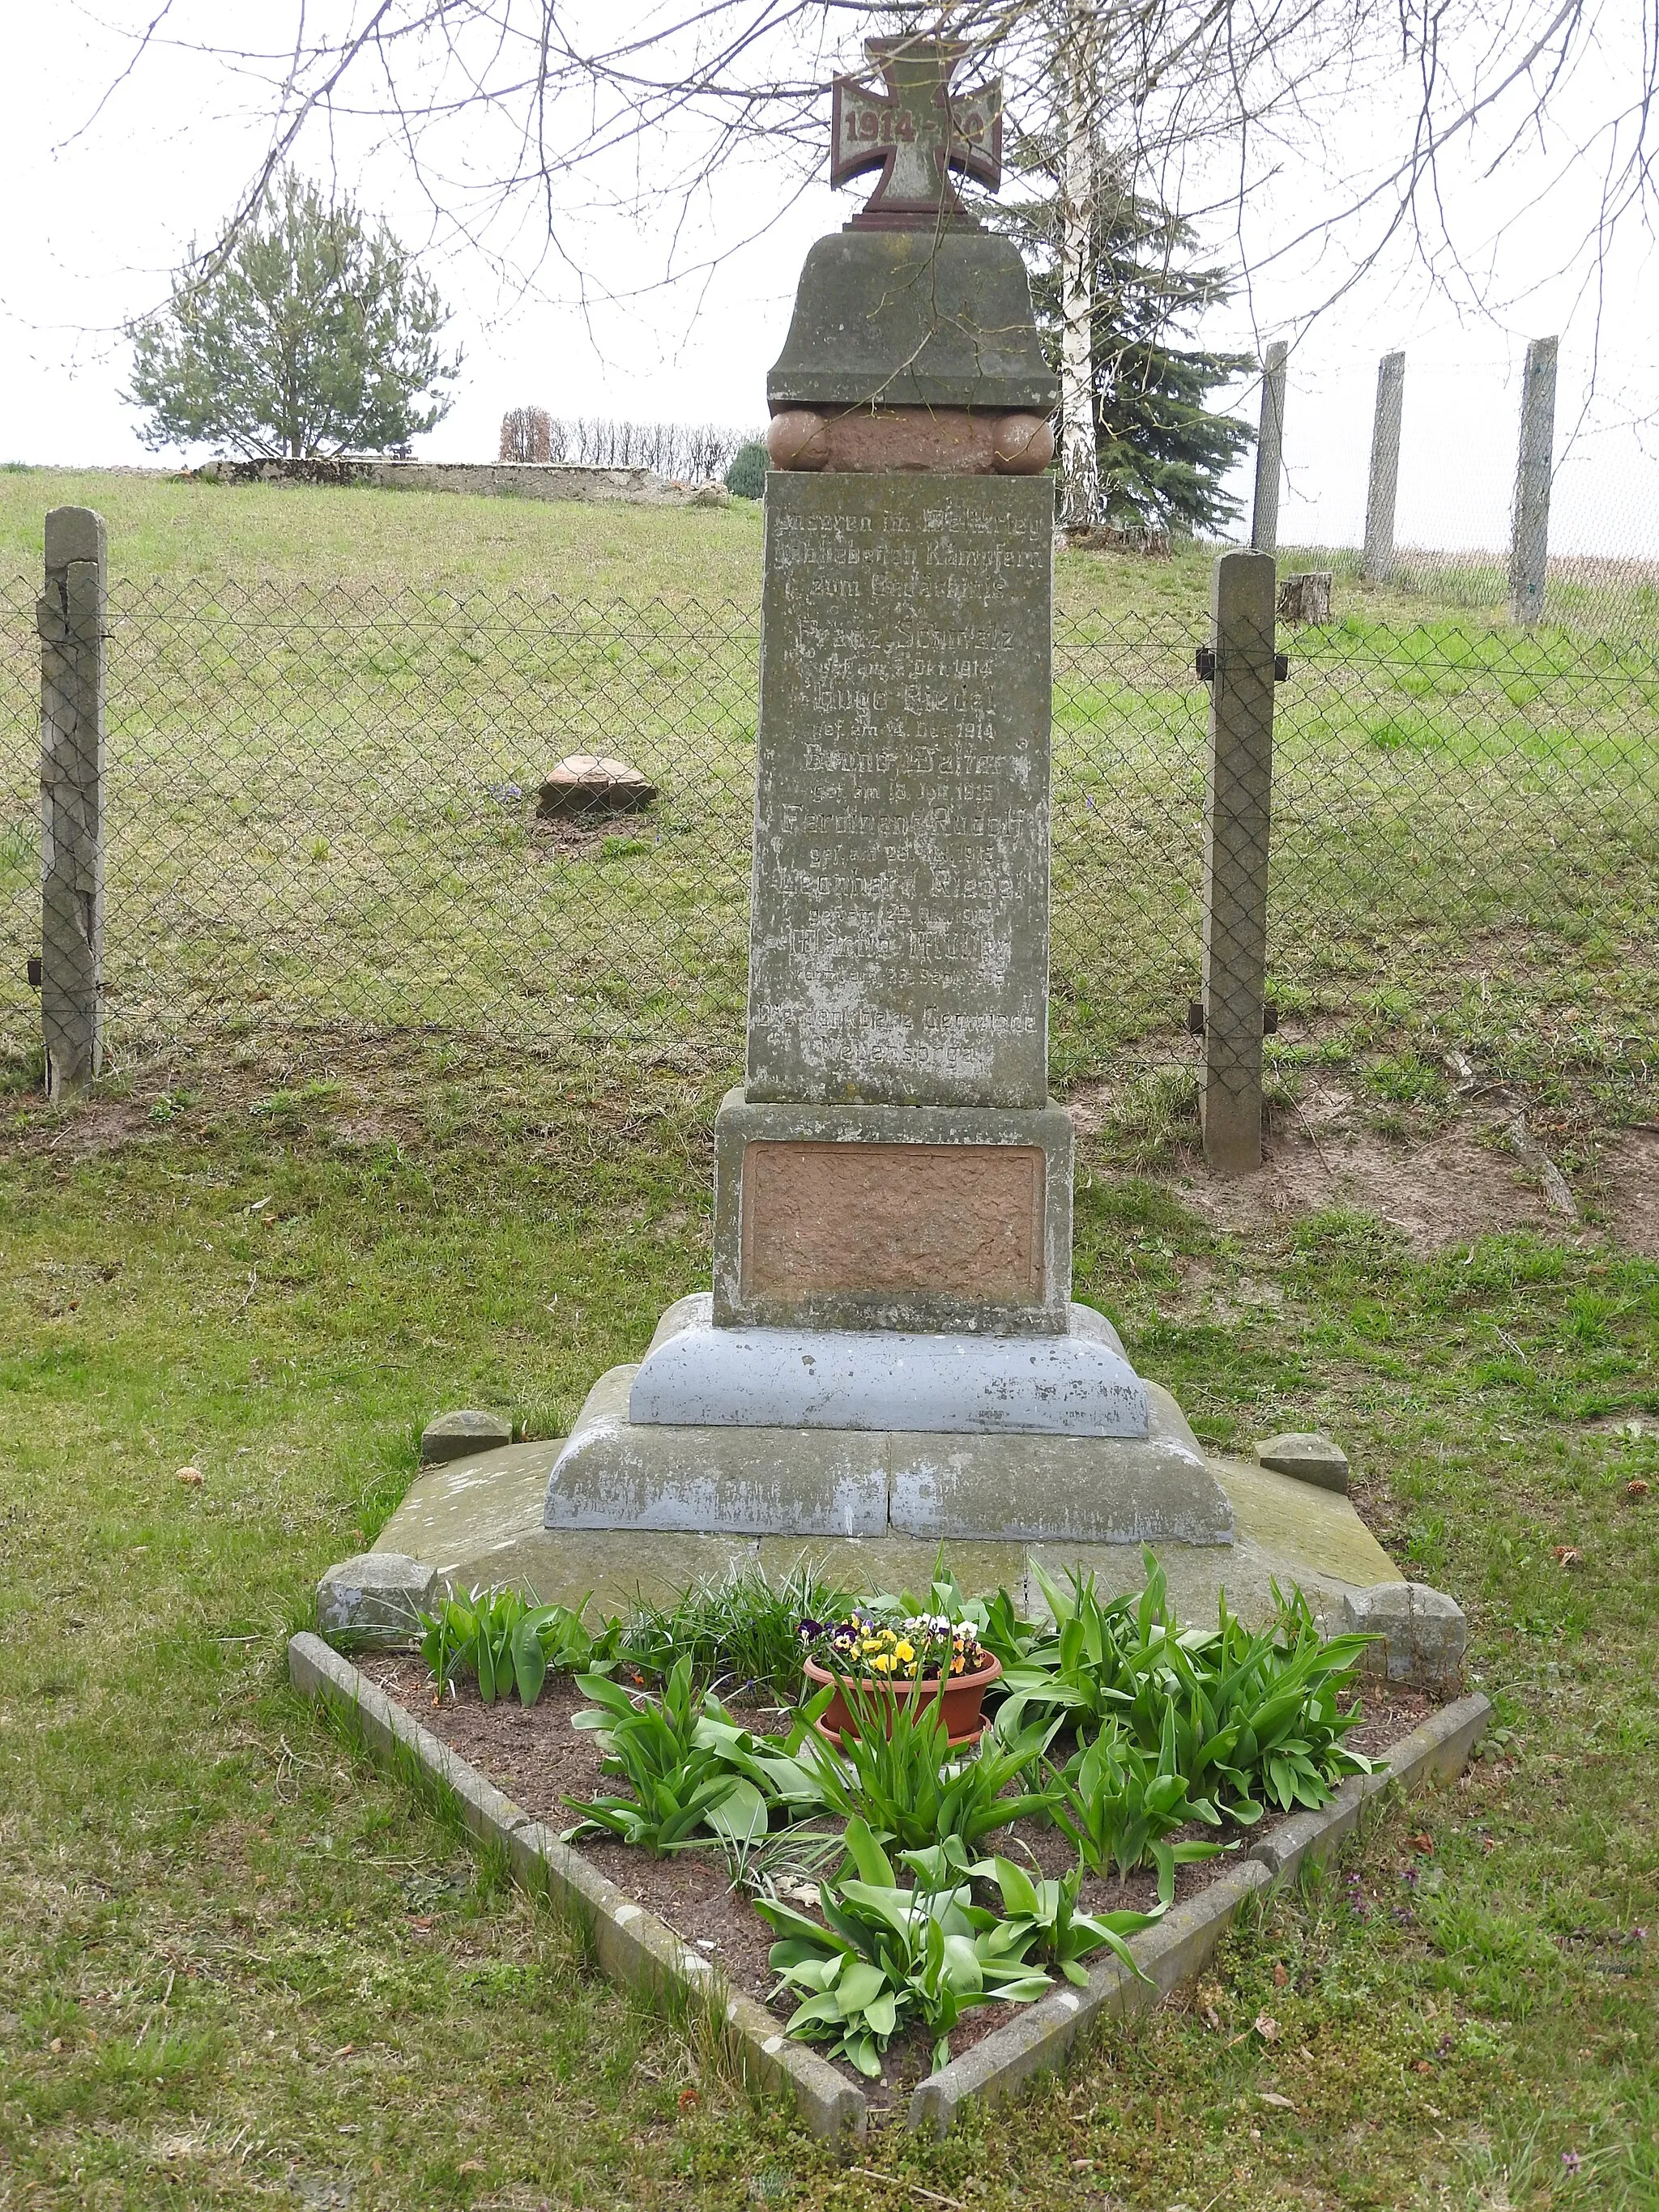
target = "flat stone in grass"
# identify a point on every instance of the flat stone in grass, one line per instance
(460, 1434)
(589, 784)
(374, 1598)
(1309, 1457)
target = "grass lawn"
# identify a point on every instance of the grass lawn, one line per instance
(241, 1967)
(330, 712)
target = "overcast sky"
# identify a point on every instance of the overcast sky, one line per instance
(101, 210)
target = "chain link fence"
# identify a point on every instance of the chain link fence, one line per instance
(320, 811)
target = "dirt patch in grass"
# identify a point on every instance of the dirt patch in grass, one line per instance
(540, 1761)
(1449, 1189)
(1629, 1175)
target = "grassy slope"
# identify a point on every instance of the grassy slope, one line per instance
(170, 527)
(165, 527)
(1466, 822)
(269, 1976)
(207, 1898)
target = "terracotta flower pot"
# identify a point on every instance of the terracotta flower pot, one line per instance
(965, 1700)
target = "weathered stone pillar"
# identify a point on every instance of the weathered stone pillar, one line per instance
(70, 619)
(1378, 557)
(1237, 814)
(1529, 528)
(1269, 452)
(889, 1347)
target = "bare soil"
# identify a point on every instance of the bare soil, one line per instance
(540, 1761)
(1447, 1190)
(1629, 1169)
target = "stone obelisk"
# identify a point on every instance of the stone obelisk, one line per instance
(891, 1345)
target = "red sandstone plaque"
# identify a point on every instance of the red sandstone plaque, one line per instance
(957, 1220)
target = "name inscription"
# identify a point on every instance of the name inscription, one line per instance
(900, 937)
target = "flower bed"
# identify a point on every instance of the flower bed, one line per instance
(894, 1901)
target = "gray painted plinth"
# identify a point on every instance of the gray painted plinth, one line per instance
(618, 1474)
(1076, 1385)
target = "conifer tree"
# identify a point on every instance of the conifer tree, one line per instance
(316, 334)
(1163, 453)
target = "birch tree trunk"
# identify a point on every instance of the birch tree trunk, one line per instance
(1080, 460)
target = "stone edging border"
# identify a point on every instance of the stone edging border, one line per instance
(633, 1947)
(628, 1943)
(1185, 1940)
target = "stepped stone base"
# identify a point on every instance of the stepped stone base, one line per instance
(481, 1521)
(1076, 1384)
(796, 1482)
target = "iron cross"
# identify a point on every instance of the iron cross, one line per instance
(915, 133)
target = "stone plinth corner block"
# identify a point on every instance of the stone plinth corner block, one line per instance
(460, 1434)
(1309, 1457)
(1423, 1631)
(375, 1598)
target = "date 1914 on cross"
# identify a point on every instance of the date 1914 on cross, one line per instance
(915, 133)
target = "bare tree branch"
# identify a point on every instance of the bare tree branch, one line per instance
(523, 120)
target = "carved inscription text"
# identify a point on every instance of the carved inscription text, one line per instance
(899, 949)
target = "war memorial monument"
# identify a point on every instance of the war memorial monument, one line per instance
(889, 1359)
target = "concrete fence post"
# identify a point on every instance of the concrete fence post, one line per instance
(1269, 452)
(1383, 483)
(1237, 808)
(1529, 526)
(70, 617)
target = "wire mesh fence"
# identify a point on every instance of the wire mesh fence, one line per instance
(321, 818)
(1605, 597)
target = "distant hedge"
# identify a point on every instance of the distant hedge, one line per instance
(746, 478)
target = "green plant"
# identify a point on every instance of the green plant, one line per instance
(1046, 1913)
(689, 1767)
(1254, 1712)
(788, 1781)
(897, 1774)
(746, 476)
(1272, 1727)
(786, 1863)
(1077, 1670)
(508, 1642)
(740, 1633)
(312, 333)
(1119, 1806)
(887, 1953)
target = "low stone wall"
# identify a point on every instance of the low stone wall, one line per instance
(482, 479)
